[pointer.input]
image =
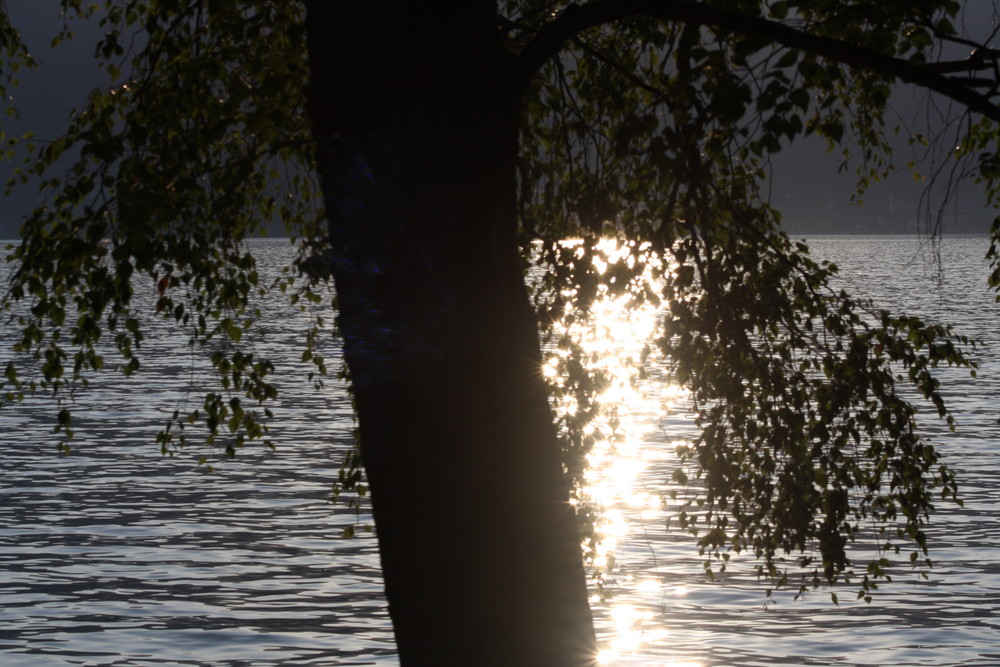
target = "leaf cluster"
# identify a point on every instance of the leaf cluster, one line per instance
(809, 441)
(198, 143)
(663, 132)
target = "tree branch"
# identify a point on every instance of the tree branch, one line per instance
(978, 60)
(556, 34)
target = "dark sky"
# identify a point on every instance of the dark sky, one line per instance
(806, 183)
(46, 96)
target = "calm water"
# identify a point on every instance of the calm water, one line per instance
(116, 556)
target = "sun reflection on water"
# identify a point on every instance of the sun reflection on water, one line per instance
(615, 343)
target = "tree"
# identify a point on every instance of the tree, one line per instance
(417, 149)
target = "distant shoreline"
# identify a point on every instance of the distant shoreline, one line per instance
(796, 235)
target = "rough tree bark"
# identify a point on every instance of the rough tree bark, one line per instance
(416, 113)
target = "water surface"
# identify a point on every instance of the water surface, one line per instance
(114, 555)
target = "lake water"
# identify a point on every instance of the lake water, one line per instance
(114, 555)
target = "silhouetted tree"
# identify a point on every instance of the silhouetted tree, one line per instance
(417, 149)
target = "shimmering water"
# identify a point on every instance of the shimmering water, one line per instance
(667, 613)
(114, 555)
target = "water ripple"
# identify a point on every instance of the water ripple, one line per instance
(114, 555)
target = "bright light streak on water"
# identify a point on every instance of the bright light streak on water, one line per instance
(615, 341)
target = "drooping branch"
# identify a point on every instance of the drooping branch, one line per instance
(578, 18)
(978, 60)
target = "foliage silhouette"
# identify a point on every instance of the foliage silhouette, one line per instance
(423, 155)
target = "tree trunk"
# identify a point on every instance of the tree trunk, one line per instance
(416, 117)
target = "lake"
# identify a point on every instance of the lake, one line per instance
(115, 555)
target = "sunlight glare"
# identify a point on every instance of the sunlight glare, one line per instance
(615, 340)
